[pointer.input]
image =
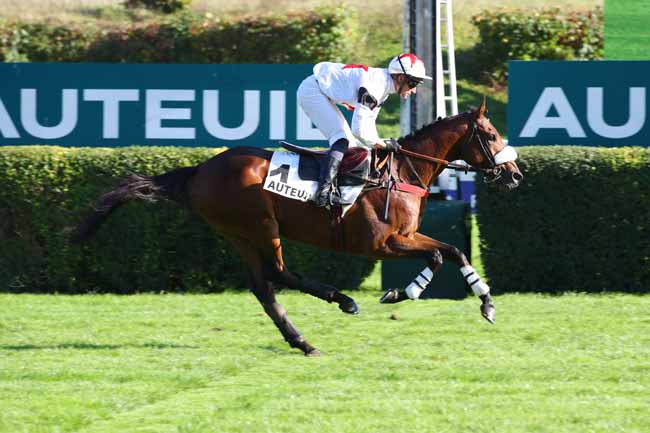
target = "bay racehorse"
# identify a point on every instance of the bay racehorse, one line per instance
(227, 191)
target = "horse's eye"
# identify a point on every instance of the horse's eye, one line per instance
(493, 137)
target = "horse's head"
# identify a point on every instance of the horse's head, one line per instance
(483, 147)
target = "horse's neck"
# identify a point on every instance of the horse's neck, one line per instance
(433, 146)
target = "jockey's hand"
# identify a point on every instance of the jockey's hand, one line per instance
(392, 145)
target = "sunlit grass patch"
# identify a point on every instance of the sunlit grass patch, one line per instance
(627, 35)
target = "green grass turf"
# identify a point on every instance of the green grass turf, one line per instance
(627, 30)
(200, 363)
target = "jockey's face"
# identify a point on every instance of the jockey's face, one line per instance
(402, 86)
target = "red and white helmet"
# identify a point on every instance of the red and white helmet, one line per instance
(408, 64)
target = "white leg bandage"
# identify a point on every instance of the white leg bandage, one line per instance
(415, 289)
(474, 281)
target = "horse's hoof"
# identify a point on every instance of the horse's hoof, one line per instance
(392, 296)
(389, 296)
(488, 312)
(313, 352)
(349, 307)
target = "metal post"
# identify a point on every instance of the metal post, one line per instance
(451, 59)
(441, 109)
(412, 46)
(435, 15)
(405, 106)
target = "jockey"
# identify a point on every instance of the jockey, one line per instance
(358, 88)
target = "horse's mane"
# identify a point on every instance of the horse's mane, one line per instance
(429, 129)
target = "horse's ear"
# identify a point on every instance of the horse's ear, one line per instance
(480, 112)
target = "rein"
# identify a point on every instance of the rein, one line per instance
(448, 164)
(460, 167)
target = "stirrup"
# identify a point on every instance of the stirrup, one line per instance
(322, 196)
(332, 198)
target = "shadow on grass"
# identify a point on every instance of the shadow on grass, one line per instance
(278, 351)
(91, 346)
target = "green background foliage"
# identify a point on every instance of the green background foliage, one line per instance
(580, 221)
(304, 37)
(524, 34)
(142, 247)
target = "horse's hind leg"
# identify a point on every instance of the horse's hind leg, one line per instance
(275, 270)
(266, 296)
(319, 290)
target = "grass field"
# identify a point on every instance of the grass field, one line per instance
(197, 364)
(627, 34)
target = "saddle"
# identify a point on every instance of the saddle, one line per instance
(354, 167)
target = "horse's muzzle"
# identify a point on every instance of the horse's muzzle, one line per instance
(510, 180)
(503, 180)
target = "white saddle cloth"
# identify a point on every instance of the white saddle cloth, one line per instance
(283, 179)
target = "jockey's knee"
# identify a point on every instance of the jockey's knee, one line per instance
(340, 145)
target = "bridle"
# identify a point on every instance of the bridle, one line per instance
(493, 172)
(485, 150)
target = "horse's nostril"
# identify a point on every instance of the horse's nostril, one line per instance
(517, 177)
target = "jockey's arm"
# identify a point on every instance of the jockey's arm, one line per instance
(363, 126)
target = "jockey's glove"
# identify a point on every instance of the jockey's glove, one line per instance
(392, 145)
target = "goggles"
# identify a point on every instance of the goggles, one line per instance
(411, 81)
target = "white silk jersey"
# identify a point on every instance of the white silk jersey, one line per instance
(343, 84)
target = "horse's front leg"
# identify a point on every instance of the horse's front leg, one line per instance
(434, 252)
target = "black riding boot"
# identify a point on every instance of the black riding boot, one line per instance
(323, 195)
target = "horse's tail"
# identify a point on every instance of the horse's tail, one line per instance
(169, 186)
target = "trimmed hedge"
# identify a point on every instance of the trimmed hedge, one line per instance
(306, 37)
(142, 247)
(544, 34)
(580, 221)
(43, 42)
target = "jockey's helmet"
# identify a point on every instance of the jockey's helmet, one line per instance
(411, 66)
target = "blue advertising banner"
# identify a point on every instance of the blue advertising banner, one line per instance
(151, 104)
(600, 103)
